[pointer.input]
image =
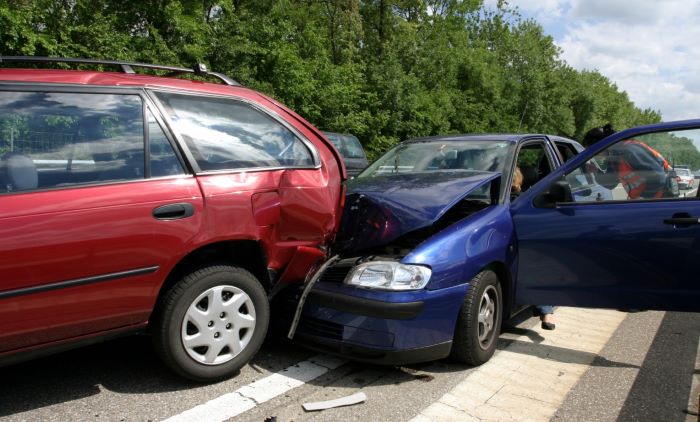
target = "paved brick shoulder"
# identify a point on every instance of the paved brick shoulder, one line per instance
(529, 379)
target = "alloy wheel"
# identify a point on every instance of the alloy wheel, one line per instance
(487, 316)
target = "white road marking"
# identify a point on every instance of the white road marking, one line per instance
(247, 397)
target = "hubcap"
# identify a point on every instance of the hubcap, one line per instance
(218, 325)
(487, 317)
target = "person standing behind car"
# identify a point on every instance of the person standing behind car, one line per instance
(642, 170)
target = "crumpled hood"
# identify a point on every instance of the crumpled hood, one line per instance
(380, 209)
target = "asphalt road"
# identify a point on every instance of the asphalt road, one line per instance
(644, 372)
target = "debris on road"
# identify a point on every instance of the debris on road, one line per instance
(343, 401)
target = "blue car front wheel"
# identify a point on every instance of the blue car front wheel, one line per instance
(479, 321)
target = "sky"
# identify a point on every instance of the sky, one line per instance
(648, 48)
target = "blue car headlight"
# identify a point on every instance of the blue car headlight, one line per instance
(389, 275)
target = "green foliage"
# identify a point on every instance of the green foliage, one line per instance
(384, 70)
(675, 149)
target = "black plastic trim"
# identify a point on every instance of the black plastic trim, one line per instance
(174, 211)
(628, 201)
(15, 356)
(375, 356)
(77, 282)
(366, 307)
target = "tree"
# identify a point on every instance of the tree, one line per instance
(385, 70)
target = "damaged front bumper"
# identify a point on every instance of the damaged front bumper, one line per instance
(377, 326)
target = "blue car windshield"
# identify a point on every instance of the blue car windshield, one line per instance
(437, 156)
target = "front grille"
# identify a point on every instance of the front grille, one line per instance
(336, 274)
(320, 328)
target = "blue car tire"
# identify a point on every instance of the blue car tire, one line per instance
(479, 320)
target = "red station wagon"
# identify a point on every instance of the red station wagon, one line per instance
(131, 201)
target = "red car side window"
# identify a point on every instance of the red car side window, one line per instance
(55, 139)
(225, 134)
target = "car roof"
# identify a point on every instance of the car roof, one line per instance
(105, 78)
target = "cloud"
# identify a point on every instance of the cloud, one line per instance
(543, 11)
(641, 12)
(647, 48)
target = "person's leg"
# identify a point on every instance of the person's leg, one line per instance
(544, 310)
(546, 314)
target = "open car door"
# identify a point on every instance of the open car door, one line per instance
(611, 229)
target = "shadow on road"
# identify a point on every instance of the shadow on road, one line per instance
(126, 365)
(564, 355)
(667, 371)
(534, 336)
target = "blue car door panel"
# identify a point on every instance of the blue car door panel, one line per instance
(635, 247)
(610, 256)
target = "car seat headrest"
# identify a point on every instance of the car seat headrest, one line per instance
(19, 172)
(530, 176)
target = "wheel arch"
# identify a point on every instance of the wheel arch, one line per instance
(247, 254)
(506, 280)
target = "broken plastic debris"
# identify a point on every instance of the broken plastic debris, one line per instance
(343, 401)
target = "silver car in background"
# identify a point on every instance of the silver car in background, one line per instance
(686, 179)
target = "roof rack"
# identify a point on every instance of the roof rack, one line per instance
(199, 69)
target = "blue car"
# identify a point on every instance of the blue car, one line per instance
(437, 248)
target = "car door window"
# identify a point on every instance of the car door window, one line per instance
(56, 139)
(226, 135)
(354, 148)
(639, 168)
(533, 163)
(337, 142)
(163, 160)
(566, 151)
